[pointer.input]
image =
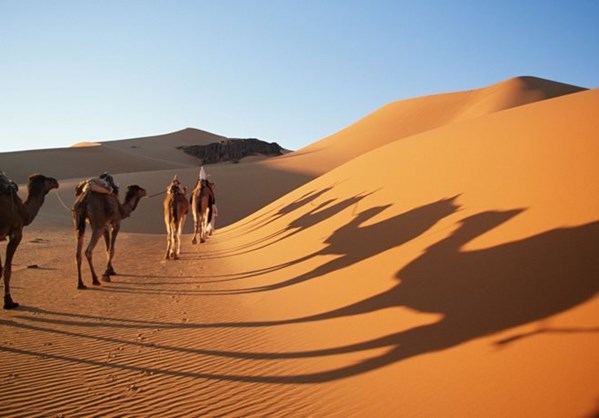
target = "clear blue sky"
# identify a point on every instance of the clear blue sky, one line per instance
(289, 71)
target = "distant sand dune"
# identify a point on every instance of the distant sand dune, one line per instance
(86, 144)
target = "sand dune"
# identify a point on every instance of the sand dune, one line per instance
(437, 258)
(78, 162)
(409, 117)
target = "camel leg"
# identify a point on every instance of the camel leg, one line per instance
(196, 225)
(167, 254)
(107, 239)
(96, 234)
(168, 237)
(194, 211)
(179, 232)
(174, 253)
(201, 228)
(170, 245)
(204, 226)
(11, 248)
(181, 229)
(80, 284)
(109, 269)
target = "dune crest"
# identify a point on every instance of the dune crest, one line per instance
(85, 144)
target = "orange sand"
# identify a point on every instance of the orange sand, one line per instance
(437, 258)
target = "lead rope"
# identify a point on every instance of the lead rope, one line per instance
(69, 209)
(155, 194)
(61, 201)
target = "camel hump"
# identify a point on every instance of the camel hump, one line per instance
(7, 186)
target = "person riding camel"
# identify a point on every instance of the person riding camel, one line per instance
(109, 183)
(175, 187)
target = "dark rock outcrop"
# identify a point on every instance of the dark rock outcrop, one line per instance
(232, 150)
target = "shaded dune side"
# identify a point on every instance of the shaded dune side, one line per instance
(80, 162)
(165, 147)
(120, 156)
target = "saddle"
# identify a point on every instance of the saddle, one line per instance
(104, 184)
(7, 186)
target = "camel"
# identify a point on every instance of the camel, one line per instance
(14, 215)
(104, 213)
(202, 201)
(176, 208)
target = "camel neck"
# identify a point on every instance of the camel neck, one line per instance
(128, 207)
(32, 206)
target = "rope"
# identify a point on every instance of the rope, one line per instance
(61, 201)
(156, 194)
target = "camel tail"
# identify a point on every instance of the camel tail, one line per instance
(80, 206)
(79, 217)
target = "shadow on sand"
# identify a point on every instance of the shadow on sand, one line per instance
(477, 293)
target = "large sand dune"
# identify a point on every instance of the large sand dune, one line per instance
(437, 258)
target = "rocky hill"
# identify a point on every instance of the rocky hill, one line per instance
(232, 150)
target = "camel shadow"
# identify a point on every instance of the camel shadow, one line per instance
(478, 293)
(313, 217)
(355, 242)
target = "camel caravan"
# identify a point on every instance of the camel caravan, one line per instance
(97, 204)
(176, 207)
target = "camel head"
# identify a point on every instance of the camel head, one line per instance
(40, 183)
(132, 198)
(135, 192)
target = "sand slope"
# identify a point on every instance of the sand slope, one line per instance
(465, 274)
(446, 271)
(409, 117)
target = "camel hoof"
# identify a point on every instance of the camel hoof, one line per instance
(9, 303)
(110, 272)
(194, 241)
(105, 278)
(81, 286)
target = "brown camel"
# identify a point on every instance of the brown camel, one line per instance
(14, 215)
(104, 213)
(176, 208)
(202, 201)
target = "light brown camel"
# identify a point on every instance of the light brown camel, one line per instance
(202, 201)
(14, 215)
(176, 208)
(104, 213)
